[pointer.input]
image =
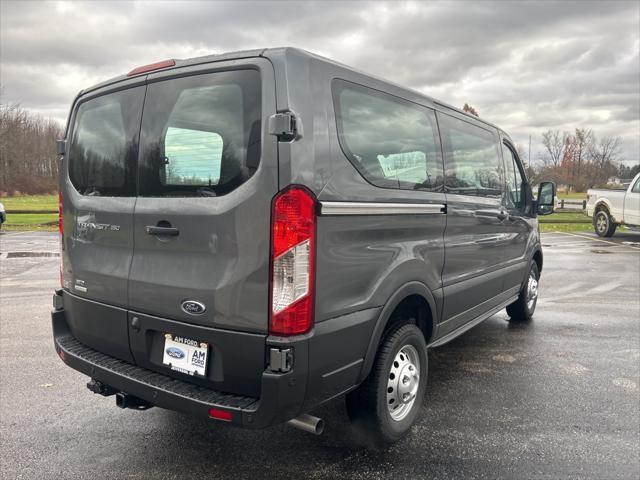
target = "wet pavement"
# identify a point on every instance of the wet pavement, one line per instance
(557, 397)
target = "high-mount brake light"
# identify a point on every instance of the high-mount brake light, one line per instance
(293, 251)
(151, 67)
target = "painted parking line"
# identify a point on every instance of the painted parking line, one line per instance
(15, 234)
(601, 240)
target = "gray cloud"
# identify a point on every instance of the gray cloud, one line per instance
(526, 66)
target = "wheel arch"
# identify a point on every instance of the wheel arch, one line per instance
(602, 204)
(538, 258)
(412, 297)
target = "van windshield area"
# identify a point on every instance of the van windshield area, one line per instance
(200, 135)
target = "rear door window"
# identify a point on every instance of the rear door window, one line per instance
(392, 142)
(200, 135)
(471, 160)
(104, 144)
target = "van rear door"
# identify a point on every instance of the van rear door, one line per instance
(97, 184)
(207, 171)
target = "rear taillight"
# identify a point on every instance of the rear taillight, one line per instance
(293, 251)
(61, 229)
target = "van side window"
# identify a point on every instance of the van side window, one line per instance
(472, 159)
(201, 135)
(514, 190)
(104, 144)
(393, 143)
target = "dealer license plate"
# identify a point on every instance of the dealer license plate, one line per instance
(185, 355)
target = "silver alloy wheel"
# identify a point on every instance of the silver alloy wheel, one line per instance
(602, 222)
(403, 382)
(532, 290)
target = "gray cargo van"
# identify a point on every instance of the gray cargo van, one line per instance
(246, 236)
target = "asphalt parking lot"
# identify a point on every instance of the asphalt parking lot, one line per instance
(555, 398)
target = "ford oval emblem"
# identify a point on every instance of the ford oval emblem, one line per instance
(192, 307)
(175, 352)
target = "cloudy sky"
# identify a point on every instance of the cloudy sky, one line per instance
(525, 66)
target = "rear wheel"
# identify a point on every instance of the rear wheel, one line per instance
(603, 224)
(523, 308)
(389, 400)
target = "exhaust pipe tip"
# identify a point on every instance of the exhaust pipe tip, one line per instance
(308, 423)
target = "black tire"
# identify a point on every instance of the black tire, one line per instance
(603, 225)
(522, 309)
(367, 405)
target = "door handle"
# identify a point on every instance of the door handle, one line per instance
(499, 214)
(169, 231)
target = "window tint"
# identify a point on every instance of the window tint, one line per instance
(104, 144)
(392, 142)
(200, 135)
(472, 161)
(514, 190)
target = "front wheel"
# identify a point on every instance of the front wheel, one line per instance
(603, 224)
(389, 400)
(523, 308)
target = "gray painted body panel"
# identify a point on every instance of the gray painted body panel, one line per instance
(221, 255)
(463, 260)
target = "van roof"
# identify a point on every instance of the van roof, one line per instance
(282, 53)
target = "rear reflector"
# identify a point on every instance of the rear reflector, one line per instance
(151, 67)
(220, 414)
(293, 251)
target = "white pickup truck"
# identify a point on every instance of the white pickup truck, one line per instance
(610, 208)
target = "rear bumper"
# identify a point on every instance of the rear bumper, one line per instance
(281, 398)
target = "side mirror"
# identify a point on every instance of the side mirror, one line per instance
(61, 147)
(546, 198)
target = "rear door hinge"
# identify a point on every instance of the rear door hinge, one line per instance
(280, 360)
(283, 125)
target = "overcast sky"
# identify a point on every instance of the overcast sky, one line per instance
(527, 67)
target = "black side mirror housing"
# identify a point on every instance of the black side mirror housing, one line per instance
(545, 204)
(61, 147)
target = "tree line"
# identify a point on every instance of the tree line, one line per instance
(28, 159)
(576, 161)
(29, 163)
(580, 160)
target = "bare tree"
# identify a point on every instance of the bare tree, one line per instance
(582, 144)
(28, 159)
(469, 109)
(555, 144)
(605, 151)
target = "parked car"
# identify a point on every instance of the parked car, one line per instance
(610, 208)
(246, 236)
(3, 215)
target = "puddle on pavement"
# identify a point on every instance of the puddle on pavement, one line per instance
(598, 250)
(30, 254)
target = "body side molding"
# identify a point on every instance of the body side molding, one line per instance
(381, 208)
